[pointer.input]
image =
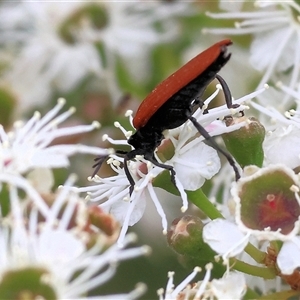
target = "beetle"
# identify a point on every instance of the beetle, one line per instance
(171, 104)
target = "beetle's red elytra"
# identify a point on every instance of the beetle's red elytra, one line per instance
(177, 81)
(171, 104)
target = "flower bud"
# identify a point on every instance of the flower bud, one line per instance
(185, 235)
(101, 223)
(245, 144)
(185, 238)
(27, 283)
(104, 221)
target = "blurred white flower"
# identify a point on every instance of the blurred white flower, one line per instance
(57, 43)
(231, 5)
(28, 145)
(184, 288)
(44, 61)
(272, 23)
(131, 30)
(282, 131)
(54, 254)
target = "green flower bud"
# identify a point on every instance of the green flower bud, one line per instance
(185, 238)
(28, 283)
(245, 144)
(185, 235)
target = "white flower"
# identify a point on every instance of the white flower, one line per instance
(112, 194)
(273, 22)
(279, 141)
(28, 145)
(254, 174)
(184, 289)
(55, 253)
(282, 132)
(229, 239)
(223, 288)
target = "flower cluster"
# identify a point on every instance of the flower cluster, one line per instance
(51, 242)
(232, 189)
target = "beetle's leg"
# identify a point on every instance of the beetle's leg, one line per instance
(227, 93)
(153, 160)
(127, 156)
(121, 153)
(128, 174)
(212, 143)
(199, 102)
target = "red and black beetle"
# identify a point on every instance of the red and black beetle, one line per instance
(171, 104)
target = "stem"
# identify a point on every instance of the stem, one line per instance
(251, 294)
(266, 273)
(280, 295)
(202, 202)
(256, 254)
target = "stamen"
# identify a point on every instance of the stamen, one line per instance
(96, 124)
(205, 281)
(186, 281)
(159, 208)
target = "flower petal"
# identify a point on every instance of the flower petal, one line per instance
(289, 256)
(224, 237)
(227, 287)
(198, 163)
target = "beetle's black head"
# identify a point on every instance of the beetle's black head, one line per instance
(145, 140)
